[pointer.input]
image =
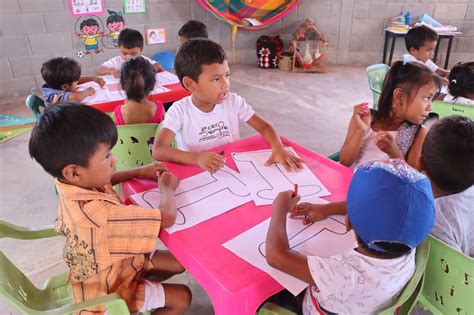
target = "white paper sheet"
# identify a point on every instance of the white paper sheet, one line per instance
(325, 238)
(265, 182)
(201, 197)
(166, 78)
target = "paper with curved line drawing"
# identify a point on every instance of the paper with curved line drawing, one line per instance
(201, 197)
(265, 182)
(325, 238)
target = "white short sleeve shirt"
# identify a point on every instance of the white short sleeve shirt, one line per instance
(116, 62)
(429, 63)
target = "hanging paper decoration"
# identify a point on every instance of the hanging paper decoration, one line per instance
(115, 23)
(86, 7)
(89, 29)
(134, 6)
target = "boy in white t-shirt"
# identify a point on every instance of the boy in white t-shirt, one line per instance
(390, 207)
(420, 42)
(210, 116)
(130, 44)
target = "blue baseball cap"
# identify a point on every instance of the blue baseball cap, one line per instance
(390, 202)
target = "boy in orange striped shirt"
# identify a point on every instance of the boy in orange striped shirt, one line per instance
(109, 246)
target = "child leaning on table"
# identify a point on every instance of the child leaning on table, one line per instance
(109, 246)
(210, 116)
(130, 44)
(62, 75)
(389, 223)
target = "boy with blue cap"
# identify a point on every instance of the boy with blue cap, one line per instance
(390, 207)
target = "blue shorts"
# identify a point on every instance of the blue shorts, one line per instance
(90, 47)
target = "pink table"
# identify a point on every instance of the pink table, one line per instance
(233, 285)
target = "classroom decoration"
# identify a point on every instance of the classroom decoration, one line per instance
(115, 23)
(86, 7)
(308, 47)
(12, 126)
(311, 239)
(89, 29)
(398, 23)
(134, 6)
(269, 48)
(155, 36)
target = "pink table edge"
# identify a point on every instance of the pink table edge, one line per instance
(253, 285)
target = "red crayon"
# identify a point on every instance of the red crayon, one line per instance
(221, 153)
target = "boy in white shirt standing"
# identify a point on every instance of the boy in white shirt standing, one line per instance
(420, 42)
(130, 43)
(210, 116)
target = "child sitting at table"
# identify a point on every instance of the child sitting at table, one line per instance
(210, 116)
(130, 43)
(461, 84)
(395, 131)
(109, 246)
(62, 75)
(138, 80)
(420, 42)
(192, 29)
(389, 223)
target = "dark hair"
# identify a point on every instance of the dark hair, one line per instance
(114, 17)
(88, 22)
(195, 53)
(193, 29)
(448, 153)
(410, 77)
(461, 79)
(137, 78)
(59, 71)
(391, 249)
(417, 36)
(129, 38)
(69, 133)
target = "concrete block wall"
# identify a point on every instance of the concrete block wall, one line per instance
(33, 31)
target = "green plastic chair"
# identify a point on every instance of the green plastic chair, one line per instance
(443, 109)
(56, 295)
(274, 309)
(448, 284)
(376, 74)
(34, 103)
(335, 157)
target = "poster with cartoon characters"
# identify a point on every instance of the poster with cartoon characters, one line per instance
(115, 24)
(86, 7)
(134, 6)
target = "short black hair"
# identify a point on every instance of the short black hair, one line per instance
(448, 153)
(195, 53)
(193, 29)
(417, 36)
(137, 78)
(114, 17)
(69, 133)
(59, 71)
(391, 249)
(88, 22)
(130, 38)
(461, 79)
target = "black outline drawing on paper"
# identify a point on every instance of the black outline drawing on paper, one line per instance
(236, 189)
(261, 246)
(270, 194)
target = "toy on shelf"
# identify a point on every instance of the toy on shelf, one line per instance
(308, 47)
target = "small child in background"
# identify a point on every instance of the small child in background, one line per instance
(137, 79)
(396, 130)
(448, 160)
(130, 43)
(461, 84)
(192, 29)
(62, 75)
(369, 277)
(110, 247)
(420, 42)
(210, 116)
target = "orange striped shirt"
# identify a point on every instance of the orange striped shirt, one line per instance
(107, 243)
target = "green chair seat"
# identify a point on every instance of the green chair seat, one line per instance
(376, 74)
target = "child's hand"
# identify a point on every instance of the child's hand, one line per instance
(361, 116)
(90, 91)
(99, 81)
(115, 73)
(168, 181)
(150, 170)
(284, 202)
(287, 159)
(310, 212)
(385, 142)
(210, 161)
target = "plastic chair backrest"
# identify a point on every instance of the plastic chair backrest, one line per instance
(448, 284)
(165, 59)
(444, 109)
(34, 102)
(25, 233)
(421, 259)
(376, 74)
(134, 144)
